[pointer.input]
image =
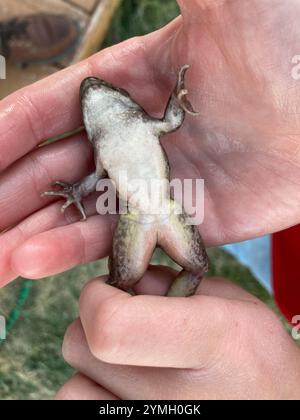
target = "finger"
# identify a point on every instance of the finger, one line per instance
(196, 7)
(158, 279)
(128, 382)
(44, 220)
(154, 330)
(79, 387)
(62, 248)
(22, 184)
(224, 288)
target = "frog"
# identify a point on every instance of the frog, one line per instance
(126, 139)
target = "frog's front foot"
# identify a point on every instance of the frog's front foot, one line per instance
(181, 92)
(72, 194)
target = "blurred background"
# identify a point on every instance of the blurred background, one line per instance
(38, 313)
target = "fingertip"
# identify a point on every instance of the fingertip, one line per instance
(98, 305)
(74, 335)
(49, 253)
(97, 289)
(33, 258)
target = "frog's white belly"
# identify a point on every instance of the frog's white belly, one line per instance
(135, 162)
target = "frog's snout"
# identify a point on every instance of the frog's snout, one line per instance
(87, 84)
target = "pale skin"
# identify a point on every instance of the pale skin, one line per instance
(249, 129)
(214, 340)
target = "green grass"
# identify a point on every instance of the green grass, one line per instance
(31, 366)
(139, 17)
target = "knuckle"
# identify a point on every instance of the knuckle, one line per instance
(106, 336)
(106, 330)
(86, 292)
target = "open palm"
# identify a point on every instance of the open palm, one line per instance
(244, 144)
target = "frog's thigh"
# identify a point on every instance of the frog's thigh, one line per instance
(133, 246)
(183, 243)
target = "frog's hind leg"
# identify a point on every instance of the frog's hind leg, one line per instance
(183, 243)
(133, 246)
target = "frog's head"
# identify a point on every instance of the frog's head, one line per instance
(102, 103)
(102, 89)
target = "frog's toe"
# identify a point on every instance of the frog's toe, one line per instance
(181, 77)
(182, 92)
(185, 103)
(61, 184)
(80, 207)
(77, 204)
(66, 205)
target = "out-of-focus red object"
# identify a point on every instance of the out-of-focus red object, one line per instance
(286, 271)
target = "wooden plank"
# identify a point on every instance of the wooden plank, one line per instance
(13, 8)
(94, 28)
(97, 29)
(87, 5)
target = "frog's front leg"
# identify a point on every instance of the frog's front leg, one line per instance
(74, 193)
(177, 107)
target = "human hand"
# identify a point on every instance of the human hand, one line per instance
(240, 80)
(222, 343)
